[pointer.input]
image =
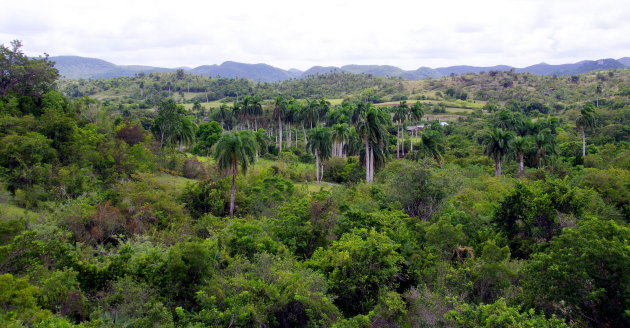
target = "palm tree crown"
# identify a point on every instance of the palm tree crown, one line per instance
(371, 128)
(233, 150)
(585, 120)
(320, 144)
(497, 147)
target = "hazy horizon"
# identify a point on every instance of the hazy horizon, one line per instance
(288, 35)
(378, 64)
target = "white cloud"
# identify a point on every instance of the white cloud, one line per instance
(408, 34)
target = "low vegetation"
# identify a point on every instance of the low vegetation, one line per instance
(127, 203)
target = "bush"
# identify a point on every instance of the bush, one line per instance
(342, 170)
(194, 169)
(359, 266)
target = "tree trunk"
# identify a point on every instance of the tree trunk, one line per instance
(521, 166)
(397, 141)
(583, 143)
(497, 167)
(367, 161)
(280, 134)
(402, 130)
(371, 163)
(317, 166)
(321, 172)
(233, 193)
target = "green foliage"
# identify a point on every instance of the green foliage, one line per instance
(582, 274)
(265, 191)
(302, 228)
(612, 185)
(24, 77)
(265, 290)
(26, 159)
(414, 187)
(107, 241)
(499, 314)
(358, 266)
(205, 197)
(342, 170)
(61, 293)
(445, 237)
(187, 266)
(536, 212)
(243, 237)
(18, 302)
(206, 136)
(127, 303)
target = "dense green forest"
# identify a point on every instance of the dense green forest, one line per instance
(340, 200)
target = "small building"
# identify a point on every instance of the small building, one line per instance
(414, 128)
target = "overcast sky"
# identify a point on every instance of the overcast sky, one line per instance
(301, 34)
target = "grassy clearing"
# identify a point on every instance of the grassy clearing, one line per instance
(312, 187)
(441, 117)
(207, 105)
(11, 212)
(173, 183)
(458, 104)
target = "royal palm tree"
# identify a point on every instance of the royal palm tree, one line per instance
(310, 112)
(239, 113)
(401, 113)
(279, 112)
(433, 143)
(497, 147)
(292, 117)
(320, 144)
(262, 141)
(545, 142)
(507, 120)
(185, 132)
(371, 128)
(233, 150)
(519, 146)
(323, 107)
(585, 120)
(340, 135)
(255, 110)
(416, 112)
(223, 114)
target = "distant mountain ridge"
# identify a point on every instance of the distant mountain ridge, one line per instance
(75, 67)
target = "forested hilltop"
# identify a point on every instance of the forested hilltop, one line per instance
(497, 199)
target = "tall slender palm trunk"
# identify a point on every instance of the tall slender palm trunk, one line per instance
(521, 164)
(280, 134)
(367, 161)
(497, 167)
(317, 166)
(233, 192)
(289, 135)
(371, 163)
(397, 141)
(583, 143)
(402, 129)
